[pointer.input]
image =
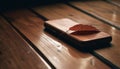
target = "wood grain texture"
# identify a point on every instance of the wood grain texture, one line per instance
(63, 11)
(15, 53)
(115, 2)
(61, 55)
(102, 10)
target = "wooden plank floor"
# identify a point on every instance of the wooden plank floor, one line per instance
(15, 53)
(91, 7)
(30, 47)
(60, 54)
(101, 10)
(62, 10)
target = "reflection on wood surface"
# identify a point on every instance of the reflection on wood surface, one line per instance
(60, 54)
(64, 11)
(15, 53)
(102, 10)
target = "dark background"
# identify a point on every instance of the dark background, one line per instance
(13, 4)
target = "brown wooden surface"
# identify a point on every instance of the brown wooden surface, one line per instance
(113, 53)
(101, 10)
(63, 11)
(59, 53)
(115, 2)
(15, 53)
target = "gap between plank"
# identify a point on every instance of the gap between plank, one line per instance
(107, 62)
(112, 2)
(29, 42)
(98, 18)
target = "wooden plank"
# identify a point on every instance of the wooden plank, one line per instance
(61, 11)
(102, 10)
(113, 53)
(15, 53)
(115, 2)
(59, 53)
